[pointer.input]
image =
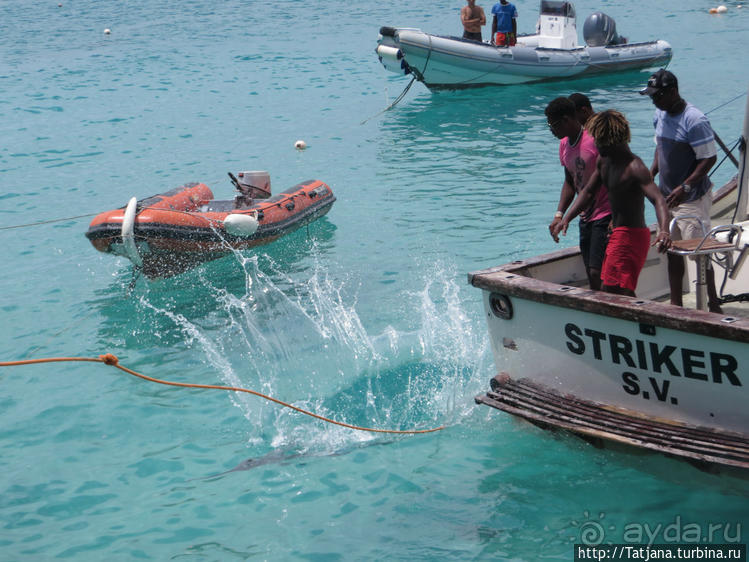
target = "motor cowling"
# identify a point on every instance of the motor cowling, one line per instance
(599, 30)
(255, 185)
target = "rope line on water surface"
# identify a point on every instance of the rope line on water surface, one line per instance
(742, 94)
(112, 360)
(392, 105)
(47, 222)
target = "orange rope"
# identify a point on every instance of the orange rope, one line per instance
(112, 360)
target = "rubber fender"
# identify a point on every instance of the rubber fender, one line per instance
(240, 224)
(128, 232)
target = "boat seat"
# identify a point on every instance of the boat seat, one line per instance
(723, 240)
(707, 244)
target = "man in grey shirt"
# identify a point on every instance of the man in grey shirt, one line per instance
(685, 151)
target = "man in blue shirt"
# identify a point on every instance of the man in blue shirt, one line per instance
(684, 153)
(504, 24)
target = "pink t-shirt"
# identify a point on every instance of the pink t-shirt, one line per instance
(580, 161)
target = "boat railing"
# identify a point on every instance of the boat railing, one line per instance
(743, 251)
(675, 221)
(728, 236)
(716, 246)
(629, 45)
(607, 47)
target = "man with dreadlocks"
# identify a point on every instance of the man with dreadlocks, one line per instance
(629, 181)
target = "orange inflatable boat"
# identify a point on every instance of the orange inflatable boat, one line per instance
(169, 233)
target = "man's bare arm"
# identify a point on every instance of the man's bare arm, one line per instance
(654, 166)
(565, 198)
(700, 171)
(654, 195)
(583, 200)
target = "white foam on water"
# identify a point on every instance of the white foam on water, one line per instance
(303, 341)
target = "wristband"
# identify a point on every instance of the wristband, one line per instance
(558, 215)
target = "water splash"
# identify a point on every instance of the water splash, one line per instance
(304, 341)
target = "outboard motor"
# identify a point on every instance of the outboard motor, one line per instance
(599, 30)
(254, 184)
(251, 186)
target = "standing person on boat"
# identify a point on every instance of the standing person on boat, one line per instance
(583, 107)
(629, 182)
(504, 24)
(473, 18)
(578, 155)
(684, 153)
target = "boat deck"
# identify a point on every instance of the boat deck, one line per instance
(704, 447)
(730, 309)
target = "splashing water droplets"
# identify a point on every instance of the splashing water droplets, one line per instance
(305, 342)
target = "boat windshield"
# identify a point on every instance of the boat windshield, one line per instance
(557, 8)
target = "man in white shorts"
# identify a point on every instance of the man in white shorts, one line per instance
(685, 151)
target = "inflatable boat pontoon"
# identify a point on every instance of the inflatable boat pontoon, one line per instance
(551, 54)
(169, 233)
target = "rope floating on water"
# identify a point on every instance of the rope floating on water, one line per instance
(742, 94)
(109, 359)
(392, 105)
(46, 222)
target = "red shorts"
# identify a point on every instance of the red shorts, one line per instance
(505, 39)
(625, 256)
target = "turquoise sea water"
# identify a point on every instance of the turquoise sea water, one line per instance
(366, 318)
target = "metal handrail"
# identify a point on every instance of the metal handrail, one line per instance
(734, 229)
(677, 219)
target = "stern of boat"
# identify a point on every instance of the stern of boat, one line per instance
(389, 51)
(547, 328)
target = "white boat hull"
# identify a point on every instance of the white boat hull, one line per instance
(633, 370)
(630, 363)
(452, 62)
(639, 355)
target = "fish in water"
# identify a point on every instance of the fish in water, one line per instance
(282, 457)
